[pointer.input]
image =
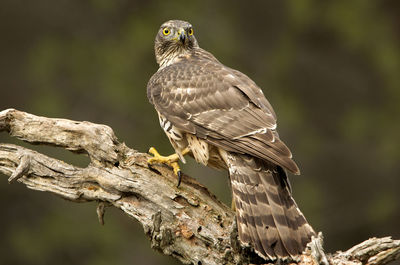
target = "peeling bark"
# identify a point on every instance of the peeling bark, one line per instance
(188, 223)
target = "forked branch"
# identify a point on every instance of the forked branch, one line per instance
(188, 222)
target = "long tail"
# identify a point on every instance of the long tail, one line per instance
(267, 215)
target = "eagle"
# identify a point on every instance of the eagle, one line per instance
(220, 117)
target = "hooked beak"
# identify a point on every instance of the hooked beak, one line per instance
(182, 36)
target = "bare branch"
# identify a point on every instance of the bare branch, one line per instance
(98, 141)
(372, 251)
(187, 222)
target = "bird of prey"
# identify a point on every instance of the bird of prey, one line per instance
(221, 117)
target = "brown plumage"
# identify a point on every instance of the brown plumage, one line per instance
(226, 121)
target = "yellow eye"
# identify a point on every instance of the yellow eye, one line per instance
(166, 31)
(190, 32)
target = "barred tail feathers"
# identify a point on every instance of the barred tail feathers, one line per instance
(267, 215)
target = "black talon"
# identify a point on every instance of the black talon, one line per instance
(179, 178)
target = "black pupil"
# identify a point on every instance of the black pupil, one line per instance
(166, 31)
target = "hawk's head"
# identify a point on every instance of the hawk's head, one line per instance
(174, 38)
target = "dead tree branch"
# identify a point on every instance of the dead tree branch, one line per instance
(188, 222)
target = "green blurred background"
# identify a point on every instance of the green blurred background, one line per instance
(330, 69)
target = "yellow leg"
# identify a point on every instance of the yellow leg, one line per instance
(171, 160)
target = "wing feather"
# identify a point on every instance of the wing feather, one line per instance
(201, 96)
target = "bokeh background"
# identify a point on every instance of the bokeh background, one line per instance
(330, 69)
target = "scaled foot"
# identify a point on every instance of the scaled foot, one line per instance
(171, 160)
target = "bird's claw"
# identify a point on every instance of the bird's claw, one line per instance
(179, 178)
(171, 160)
(154, 152)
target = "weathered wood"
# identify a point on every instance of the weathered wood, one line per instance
(188, 222)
